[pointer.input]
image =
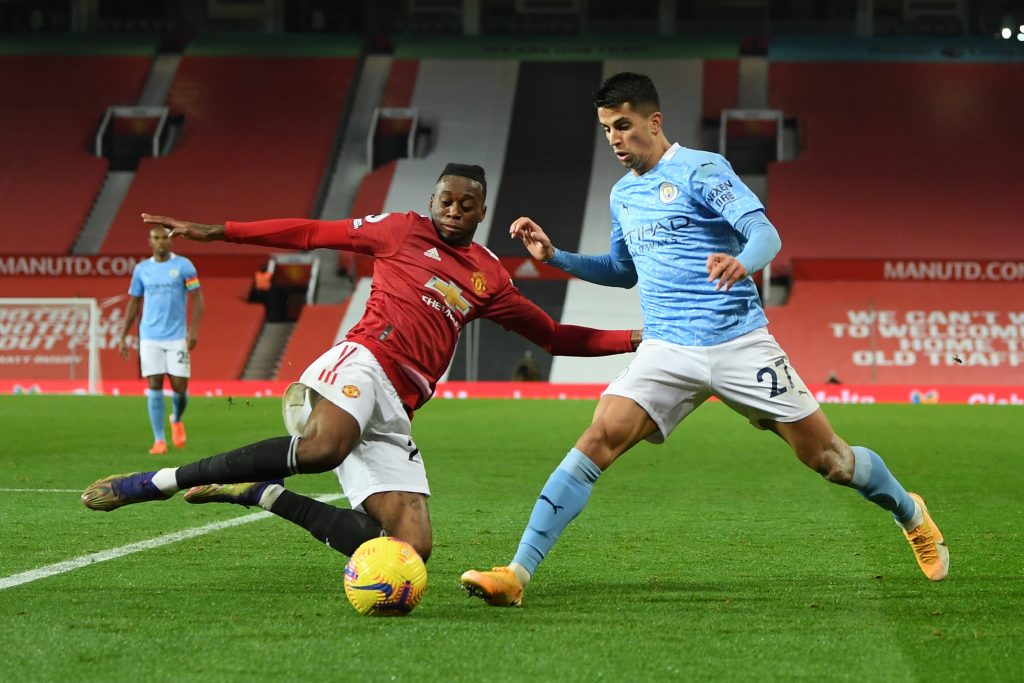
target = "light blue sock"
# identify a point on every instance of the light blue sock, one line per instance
(178, 403)
(563, 497)
(156, 412)
(875, 482)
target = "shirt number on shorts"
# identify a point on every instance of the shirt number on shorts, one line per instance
(183, 357)
(769, 371)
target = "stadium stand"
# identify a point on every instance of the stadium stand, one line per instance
(719, 86)
(53, 95)
(900, 159)
(226, 334)
(257, 136)
(401, 81)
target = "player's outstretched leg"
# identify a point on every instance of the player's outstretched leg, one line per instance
(333, 434)
(119, 490)
(271, 459)
(341, 529)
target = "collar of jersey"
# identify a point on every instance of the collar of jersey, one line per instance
(670, 152)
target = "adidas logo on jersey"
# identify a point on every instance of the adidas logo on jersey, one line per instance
(432, 253)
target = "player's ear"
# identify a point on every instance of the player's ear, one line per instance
(430, 203)
(655, 122)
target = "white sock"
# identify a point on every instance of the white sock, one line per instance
(166, 481)
(520, 572)
(270, 496)
(914, 521)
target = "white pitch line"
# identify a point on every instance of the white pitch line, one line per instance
(40, 490)
(114, 553)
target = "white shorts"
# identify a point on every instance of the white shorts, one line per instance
(385, 459)
(169, 357)
(750, 374)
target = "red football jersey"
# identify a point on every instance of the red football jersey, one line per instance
(424, 292)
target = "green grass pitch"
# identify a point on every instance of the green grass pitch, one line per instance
(714, 557)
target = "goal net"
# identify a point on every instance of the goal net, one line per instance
(50, 339)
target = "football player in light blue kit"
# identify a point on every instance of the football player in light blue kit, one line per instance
(690, 233)
(166, 281)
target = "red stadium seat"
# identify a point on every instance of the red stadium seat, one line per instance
(51, 107)
(916, 160)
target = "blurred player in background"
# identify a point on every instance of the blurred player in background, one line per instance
(691, 233)
(166, 282)
(351, 409)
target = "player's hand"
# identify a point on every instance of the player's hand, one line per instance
(192, 339)
(726, 269)
(122, 348)
(534, 238)
(192, 231)
(636, 336)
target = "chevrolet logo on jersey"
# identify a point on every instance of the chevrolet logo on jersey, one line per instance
(452, 294)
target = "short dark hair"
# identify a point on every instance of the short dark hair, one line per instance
(471, 171)
(627, 88)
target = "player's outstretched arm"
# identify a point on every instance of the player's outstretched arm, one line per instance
(197, 232)
(517, 313)
(611, 269)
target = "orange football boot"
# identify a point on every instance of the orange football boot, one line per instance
(498, 587)
(926, 540)
(178, 434)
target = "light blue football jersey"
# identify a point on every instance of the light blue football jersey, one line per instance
(164, 286)
(670, 220)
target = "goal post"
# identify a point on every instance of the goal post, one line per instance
(51, 339)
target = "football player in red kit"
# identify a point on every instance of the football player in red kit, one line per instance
(351, 410)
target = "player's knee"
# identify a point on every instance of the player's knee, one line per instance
(421, 540)
(598, 444)
(319, 455)
(831, 465)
